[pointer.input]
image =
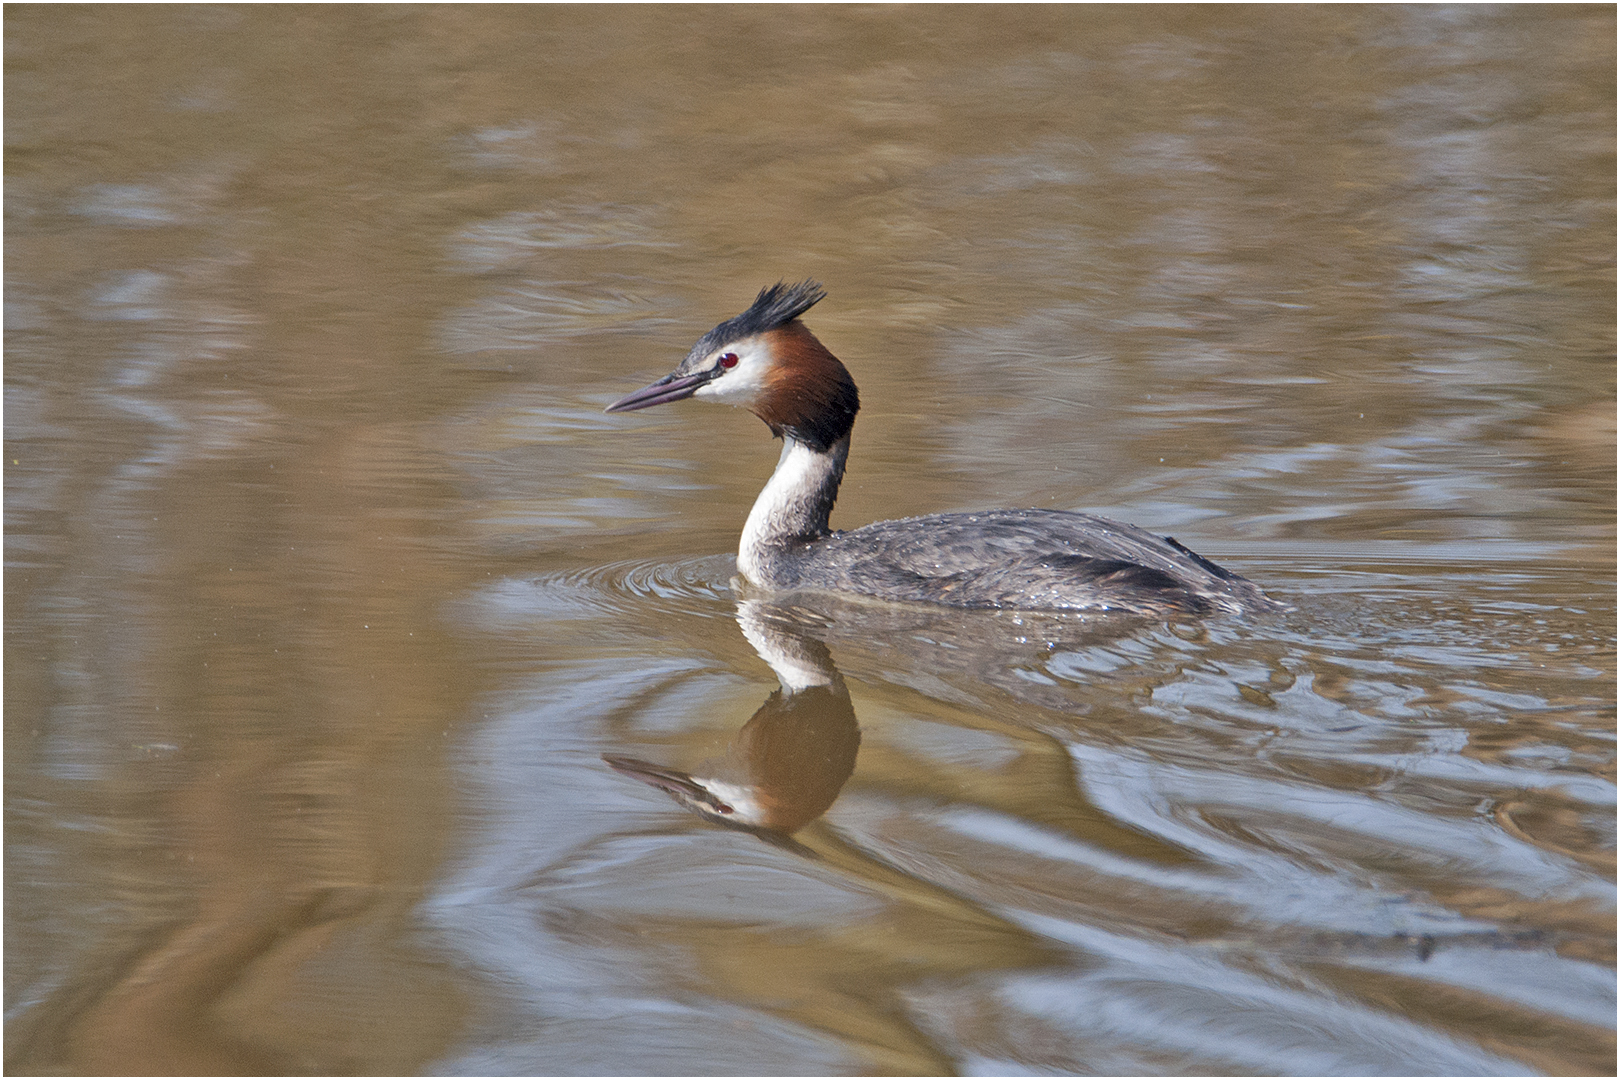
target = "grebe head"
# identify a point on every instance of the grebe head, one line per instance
(768, 362)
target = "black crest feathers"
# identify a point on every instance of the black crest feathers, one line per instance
(774, 306)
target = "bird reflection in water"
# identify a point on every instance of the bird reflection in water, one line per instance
(790, 761)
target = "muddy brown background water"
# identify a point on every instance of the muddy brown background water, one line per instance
(328, 583)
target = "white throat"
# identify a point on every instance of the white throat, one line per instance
(795, 504)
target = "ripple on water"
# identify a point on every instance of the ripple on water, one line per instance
(628, 589)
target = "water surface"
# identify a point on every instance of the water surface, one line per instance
(329, 584)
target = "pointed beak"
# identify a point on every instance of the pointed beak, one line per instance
(686, 790)
(659, 776)
(672, 387)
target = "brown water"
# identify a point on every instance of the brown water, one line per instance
(328, 583)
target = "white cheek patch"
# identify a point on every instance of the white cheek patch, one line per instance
(743, 384)
(742, 798)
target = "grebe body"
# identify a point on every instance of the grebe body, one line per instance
(767, 361)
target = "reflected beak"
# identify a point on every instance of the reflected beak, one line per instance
(680, 785)
(672, 387)
(659, 776)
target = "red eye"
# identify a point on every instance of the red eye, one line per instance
(728, 360)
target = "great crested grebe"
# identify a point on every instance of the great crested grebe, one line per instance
(767, 361)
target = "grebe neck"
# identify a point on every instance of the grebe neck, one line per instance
(795, 504)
